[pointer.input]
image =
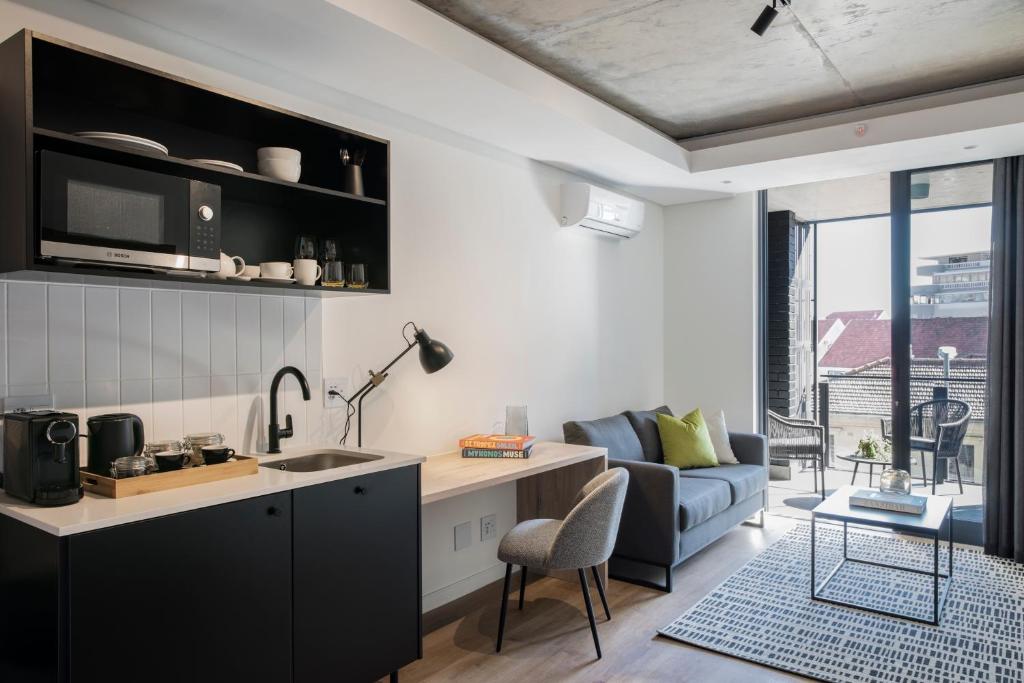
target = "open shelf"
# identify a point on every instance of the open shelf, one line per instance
(70, 143)
(138, 278)
(50, 89)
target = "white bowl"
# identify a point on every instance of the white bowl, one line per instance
(280, 169)
(279, 153)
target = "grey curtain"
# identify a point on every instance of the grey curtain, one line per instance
(1004, 422)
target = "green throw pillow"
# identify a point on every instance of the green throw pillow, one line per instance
(686, 441)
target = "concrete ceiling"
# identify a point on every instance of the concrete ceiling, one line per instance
(693, 67)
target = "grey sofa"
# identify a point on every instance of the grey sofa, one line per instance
(669, 513)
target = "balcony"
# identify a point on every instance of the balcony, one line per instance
(857, 403)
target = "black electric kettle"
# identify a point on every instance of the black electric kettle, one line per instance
(113, 436)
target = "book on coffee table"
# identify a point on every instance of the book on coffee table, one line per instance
(893, 502)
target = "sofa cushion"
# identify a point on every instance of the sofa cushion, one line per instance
(744, 481)
(700, 500)
(645, 424)
(686, 441)
(613, 433)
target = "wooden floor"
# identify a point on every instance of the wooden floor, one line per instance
(550, 640)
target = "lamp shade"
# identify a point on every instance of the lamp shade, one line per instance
(434, 355)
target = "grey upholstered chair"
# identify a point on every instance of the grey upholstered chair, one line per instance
(585, 538)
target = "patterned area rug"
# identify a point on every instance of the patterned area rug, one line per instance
(763, 613)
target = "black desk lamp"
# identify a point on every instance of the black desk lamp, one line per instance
(434, 355)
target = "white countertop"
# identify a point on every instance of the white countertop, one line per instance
(97, 512)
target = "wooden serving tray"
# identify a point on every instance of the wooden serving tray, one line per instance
(242, 466)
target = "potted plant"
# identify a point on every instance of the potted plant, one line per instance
(873, 448)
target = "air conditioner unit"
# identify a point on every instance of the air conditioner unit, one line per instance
(600, 210)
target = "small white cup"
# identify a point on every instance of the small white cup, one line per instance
(251, 271)
(307, 271)
(276, 269)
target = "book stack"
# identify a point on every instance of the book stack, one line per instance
(496, 446)
(892, 502)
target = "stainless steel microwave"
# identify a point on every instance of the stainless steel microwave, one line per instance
(96, 212)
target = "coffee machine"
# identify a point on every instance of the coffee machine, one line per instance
(41, 457)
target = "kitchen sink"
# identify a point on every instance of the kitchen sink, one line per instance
(315, 462)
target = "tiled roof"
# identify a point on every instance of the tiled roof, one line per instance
(867, 341)
(847, 316)
(868, 390)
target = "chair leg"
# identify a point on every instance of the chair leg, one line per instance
(924, 468)
(600, 591)
(504, 605)
(935, 468)
(823, 476)
(814, 465)
(590, 611)
(959, 480)
(522, 587)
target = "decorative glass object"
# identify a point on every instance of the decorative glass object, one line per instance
(895, 481)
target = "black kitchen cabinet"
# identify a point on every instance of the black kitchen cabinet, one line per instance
(203, 595)
(357, 601)
(320, 583)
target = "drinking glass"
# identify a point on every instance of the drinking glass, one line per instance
(357, 276)
(515, 421)
(334, 274)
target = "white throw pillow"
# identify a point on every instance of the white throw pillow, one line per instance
(720, 439)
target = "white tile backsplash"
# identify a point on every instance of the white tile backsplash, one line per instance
(102, 345)
(166, 325)
(181, 360)
(65, 314)
(135, 334)
(26, 334)
(195, 334)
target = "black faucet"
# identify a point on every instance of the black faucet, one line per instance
(275, 432)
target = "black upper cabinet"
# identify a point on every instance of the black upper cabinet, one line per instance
(198, 596)
(357, 598)
(50, 89)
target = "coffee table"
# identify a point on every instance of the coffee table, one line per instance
(937, 514)
(858, 460)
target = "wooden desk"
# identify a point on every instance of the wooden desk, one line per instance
(546, 483)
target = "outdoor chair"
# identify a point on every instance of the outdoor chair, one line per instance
(794, 438)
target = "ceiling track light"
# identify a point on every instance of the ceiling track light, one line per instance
(767, 16)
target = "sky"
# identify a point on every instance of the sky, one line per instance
(853, 256)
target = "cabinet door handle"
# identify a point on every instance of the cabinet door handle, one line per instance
(359, 490)
(274, 511)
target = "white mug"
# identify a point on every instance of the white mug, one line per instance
(307, 271)
(276, 269)
(230, 266)
(251, 271)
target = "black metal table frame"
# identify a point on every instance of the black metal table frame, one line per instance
(938, 596)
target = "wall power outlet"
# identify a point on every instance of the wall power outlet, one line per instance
(488, 527)
(338, 386)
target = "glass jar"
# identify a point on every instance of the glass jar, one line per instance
(895, 481)
(129, 466)
(195, 443)
(154, 447)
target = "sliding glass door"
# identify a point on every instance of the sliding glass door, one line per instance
(941, 223)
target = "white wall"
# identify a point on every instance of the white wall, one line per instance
(569, 324)
(711, 308)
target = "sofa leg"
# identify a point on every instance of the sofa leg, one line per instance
(668, 579)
